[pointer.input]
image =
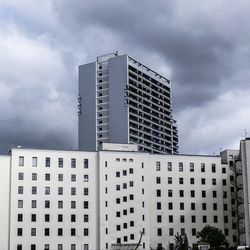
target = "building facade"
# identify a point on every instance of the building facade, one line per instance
(64, 200)
(123, 101)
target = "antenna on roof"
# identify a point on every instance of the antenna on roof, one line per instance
(245, 131)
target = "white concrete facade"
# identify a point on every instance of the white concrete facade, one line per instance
(103, 200)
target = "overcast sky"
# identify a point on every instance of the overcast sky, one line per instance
(203, 47)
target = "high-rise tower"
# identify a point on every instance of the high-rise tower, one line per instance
(123, 101)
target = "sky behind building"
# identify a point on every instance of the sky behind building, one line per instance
(202, 47)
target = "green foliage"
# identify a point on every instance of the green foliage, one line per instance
(181, 242)
(212, 236)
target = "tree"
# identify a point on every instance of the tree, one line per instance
(181, 242)
(213, 236)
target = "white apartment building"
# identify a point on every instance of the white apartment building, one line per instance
(67, 200)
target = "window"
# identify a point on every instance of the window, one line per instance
(158, 205)
(20, 204)
(204, 206)
(19, 247)
(85, 232)
(181, 180)
(20, 189)
(203, 193)
(85, 191)
(170, 206)
(213, 181)
(73, 232)
(86, 204)
(215, 219)
(169, 166)
(85, 178)
(19, 231)
(117, 174)
(21, 161)
(192, 181)
(159, 218)
(85, 247)
(131, 160)
(225, 207)
(213, 168)
(47, 162)
(181, 193)
(192, 193)
(182, 218)
(60, 162)
(118, 200)
(169, 180)
(85, 163)
(191, 165)
(193, 231)
(34, 161)
(170, 218)
(47, 204)
(171, 231)
(73, 191)
(47, 190)
(73, 177)
(132, 223)
(131, 210)
(158, 166)
(131, 170)
(33, 232)
(33, 204)
(124, 172)
(159, 231)
(34, 190)
(73, 163)
(20, 217)
(181, 206)
(46, 247)
(60, 177)
(180, 166)
(224, 182)
(158, 193)
(60, 190)
(224, 194)
(47, 177)
(170, 193)
(225, 219)
(85, 218)
(214, 194)
(46, 217)
(193, 219)
(131, 183)
(20, 176)
(60, 218)
(204, 219)
(60, 232)
(117, 159)
(59, 247)
(131, 197)
(192, 206)
(158, 180)
(33, 217)
(73, 204)
(118, 214)
(182, 231)
(46, 231)
(203, 181)
(203, 167)
(60, 204)
(224, 171)
(215, 206)
(124, 185)
(32, 247)
(118, 187)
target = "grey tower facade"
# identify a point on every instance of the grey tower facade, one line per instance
(123, 101)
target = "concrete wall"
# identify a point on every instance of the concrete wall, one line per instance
(4, 201)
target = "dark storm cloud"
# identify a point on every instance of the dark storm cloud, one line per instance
(203, 47)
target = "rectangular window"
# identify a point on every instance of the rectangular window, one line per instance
(170, 193)
(192, 206)
(47, 204)
(193, 231)
(213, 182)
(181, 206)
(34, 190)
(224, 182)
(181, 180)
(158, 180)
(34, 161)
(21, 161)
(169, 180)
(191, 165)
(59, 247)
(20, 217)
(60, 204)
(34, 176)
(20, 190)
(33, 204)
(204, 206)
(33, 217)
(193, 219)
(85, 178)
(85, 232)
(214, 194)
(215, 206)
(47, 162)
(60, 190)
(73, 177)
(85, 218)
(60, 177)
(203, 181)
(215, 219)
(46, 231)
(181, 193)
(159, 219)
(20, 176)
(203, 193)
(60, 162)
(131, 170)
(85, 191)
(213, 168)
(192, 181)
(85, 204)
(46, 217)
(85, 163)
(159, 231)
(192, 193)
(33, 232)
(158, 166)
(170, 206)
(169, 166)
(158, 205)
(60, 232)
(180, 166)
(73, 163)
(47, 177)
(46, 246)
(204, 219)
(182, 218)
(47, 190)
(171, 231)
(158, 193)
(203, 167)
(73, 232)
(19, 231)
(60, 217)
(20, 204)
(170, 218)
(73, 204)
